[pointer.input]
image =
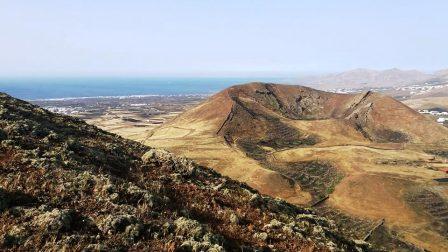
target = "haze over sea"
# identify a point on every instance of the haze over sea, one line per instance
(60, 88)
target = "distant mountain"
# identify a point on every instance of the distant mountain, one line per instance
(69, 186)
(436, 92)
(442, 74)
(364, 78)
(437, 86)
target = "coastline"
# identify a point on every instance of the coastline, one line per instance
(120, 97)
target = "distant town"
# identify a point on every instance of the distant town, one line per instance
(88, 107)
(401, 92)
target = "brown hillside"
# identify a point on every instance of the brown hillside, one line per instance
(303, 145)
(69, 186)
(254, 110)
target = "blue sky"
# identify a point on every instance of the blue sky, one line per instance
(219, 38)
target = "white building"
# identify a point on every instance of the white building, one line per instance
(442, 120)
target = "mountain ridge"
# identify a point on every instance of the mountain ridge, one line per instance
(367, 78)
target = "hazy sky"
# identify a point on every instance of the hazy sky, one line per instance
(141, 37)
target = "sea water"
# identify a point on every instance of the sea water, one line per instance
(65, 88)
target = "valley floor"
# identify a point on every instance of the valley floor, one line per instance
(379, 181)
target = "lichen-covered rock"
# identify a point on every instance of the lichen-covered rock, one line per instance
(361, 242)
(96, 248)
(55, 220)
(51, 137)
(213, 238)
(233, 218)
(134, 231)
(188, 228)
(112, 224)
(274, 224)
(308, 217)
(85, 181)
(14, 236)
(141, 195)
(288, 229)
(331, 246)
(39, 132)
(17, 128)
(182, 165)
(261, 236)
(195, 246)
(317, 230)
(256, 200)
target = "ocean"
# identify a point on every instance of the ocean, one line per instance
(64, 88)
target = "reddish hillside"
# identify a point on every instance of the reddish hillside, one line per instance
(255, 110)
(305, 145)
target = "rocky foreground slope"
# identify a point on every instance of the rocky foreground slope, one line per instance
(67, 185)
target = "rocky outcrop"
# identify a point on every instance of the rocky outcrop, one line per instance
(66, 185)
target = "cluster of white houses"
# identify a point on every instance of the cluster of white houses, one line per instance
(442, 115)
(421, 89)
(433, 112)
(64, 110)
(442, 120)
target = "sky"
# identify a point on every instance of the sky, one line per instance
(219, 38)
